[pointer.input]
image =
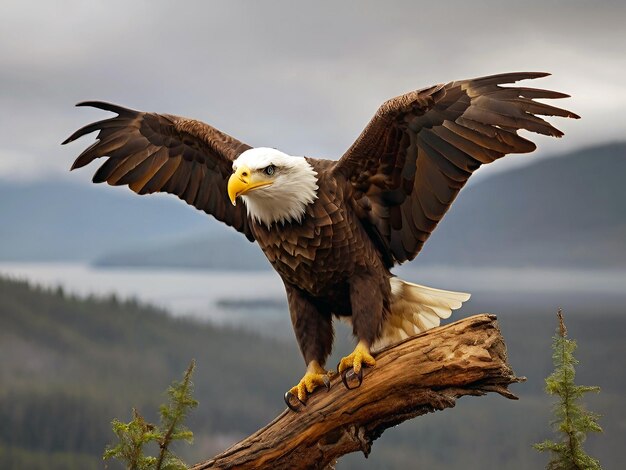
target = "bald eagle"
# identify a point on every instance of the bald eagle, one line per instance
(334, 229)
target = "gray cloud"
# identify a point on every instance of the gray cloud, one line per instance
(304, 77)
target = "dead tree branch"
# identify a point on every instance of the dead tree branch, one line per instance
(420, 375)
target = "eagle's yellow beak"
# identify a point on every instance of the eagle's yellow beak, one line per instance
(243, 181)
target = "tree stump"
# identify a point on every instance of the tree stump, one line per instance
(424, 373)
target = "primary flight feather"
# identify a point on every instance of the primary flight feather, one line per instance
(334, 229)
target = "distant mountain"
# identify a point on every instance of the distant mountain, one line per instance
(61, 220)
(204, 251)
(562, 211)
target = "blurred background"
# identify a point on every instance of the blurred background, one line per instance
(106, 296)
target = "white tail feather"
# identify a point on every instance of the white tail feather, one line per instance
(414, 309)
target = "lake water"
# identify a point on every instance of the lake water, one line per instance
(228, 296)
(182, 292)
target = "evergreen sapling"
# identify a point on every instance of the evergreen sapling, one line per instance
(572, 422)
(133, 436)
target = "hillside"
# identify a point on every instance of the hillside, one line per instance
(73, 364)
(70, 365)
(566, 211)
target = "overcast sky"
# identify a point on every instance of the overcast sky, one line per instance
(304, 77)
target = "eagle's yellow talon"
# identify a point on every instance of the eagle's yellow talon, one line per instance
(355, 360)
(315, 376)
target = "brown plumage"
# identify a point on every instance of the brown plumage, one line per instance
(373, 209)
(152, 152)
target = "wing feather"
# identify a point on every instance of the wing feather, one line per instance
(419, 150)
(153, 152)
(160, 179)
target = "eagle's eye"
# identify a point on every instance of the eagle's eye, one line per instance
(269, 170)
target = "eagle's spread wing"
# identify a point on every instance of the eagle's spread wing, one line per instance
(420, 148)
(152, 152)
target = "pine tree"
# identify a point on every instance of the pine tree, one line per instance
(133, 436)
(572, 422)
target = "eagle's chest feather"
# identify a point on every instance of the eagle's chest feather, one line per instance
(322, 251)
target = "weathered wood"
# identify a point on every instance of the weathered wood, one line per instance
(422, 374)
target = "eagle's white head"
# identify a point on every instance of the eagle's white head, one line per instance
(276, 187)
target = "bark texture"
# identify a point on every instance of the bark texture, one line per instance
(424, 373)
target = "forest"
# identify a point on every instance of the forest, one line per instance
(70, 365)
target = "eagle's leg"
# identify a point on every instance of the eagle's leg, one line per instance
(314, 332)
(367, 292)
